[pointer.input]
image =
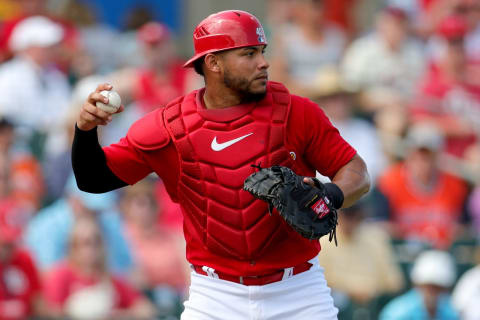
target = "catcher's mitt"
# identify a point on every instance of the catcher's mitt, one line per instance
(306, 209)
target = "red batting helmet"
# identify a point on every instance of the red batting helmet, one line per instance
(226, 30)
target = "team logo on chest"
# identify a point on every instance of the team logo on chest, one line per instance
(220, 146)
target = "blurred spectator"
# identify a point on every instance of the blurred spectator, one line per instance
(425, 202)
(149, 240)
(432, 12)
(449, 94)
(433, 274)
(20, 288)
(338, 103)
(474, 210)
(340, 13)
(57, 164)
(471, 11)
(305, 46)
(385, 67)
(366, 247)
(151, 243)
(466, 294)
(279, 13)
(31, 8)
(83, 288)
(161, 78)
(22, 183)
(33, 93)
(97, 41)
(129, 51)
(27, 183)
(472, 161)
(57, 220)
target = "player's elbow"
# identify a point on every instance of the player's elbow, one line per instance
(88, 185)
(367, 183)
(364, 181)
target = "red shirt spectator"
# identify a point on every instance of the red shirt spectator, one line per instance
(152, 90)
(454, 106)
(151, 242)
(83, 288)
(449, 94)
(19, 279)
(65, 281)
(164, 77)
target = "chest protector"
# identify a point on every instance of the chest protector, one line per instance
(216, 149)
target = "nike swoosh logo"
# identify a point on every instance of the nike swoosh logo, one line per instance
(220, 146)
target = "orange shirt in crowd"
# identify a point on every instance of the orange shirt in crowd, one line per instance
(424, 215)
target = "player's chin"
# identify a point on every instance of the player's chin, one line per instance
(258, 86)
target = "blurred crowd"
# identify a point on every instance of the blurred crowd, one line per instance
(399, 79)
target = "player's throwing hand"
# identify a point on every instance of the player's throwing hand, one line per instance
(92, 116)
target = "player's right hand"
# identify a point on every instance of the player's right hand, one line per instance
(90, 116)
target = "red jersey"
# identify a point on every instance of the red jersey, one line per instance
(440, 98)
(64, 281)
(19, 284)
(150, 93)
(203, 156)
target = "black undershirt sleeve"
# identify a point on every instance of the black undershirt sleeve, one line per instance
(90, 164)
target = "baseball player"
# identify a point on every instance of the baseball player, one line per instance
(247, 263)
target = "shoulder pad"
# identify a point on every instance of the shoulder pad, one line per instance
(149, 132)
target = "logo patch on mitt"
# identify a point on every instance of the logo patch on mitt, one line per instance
(320, 207)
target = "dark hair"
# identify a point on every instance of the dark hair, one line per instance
(6, 123)
(198, 66)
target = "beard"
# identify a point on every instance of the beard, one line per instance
(242, 87)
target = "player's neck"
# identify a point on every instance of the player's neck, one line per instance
(219, 99)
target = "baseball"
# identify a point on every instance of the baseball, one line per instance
(114, 101)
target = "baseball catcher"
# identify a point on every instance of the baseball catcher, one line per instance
(308, 209)
(202, 144)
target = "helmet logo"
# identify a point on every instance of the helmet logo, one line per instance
(261, 34)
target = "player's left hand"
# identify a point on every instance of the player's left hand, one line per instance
(303, 203)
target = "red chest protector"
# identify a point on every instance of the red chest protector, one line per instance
(223, 224)
(216, 154)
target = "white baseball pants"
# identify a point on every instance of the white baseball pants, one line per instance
(304, 296)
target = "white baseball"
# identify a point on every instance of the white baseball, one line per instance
(114, 101)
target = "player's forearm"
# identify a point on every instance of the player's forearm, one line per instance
(353, 180)
(90, 165)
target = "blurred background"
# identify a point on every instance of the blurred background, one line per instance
(399, 79)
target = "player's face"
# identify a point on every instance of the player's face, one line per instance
(245, 71)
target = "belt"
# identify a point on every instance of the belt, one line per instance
(254, 280)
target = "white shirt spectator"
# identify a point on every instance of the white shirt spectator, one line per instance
(32, 97)
(305, 59)
(369, 64)
(466, 294)
(364, 138)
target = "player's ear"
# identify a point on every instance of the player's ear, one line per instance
(212, 62)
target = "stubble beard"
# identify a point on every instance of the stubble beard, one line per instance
(242, 87)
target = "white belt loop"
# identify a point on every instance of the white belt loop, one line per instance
(210, 272)
(287, 273)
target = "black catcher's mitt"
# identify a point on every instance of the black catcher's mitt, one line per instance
(306, 209)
